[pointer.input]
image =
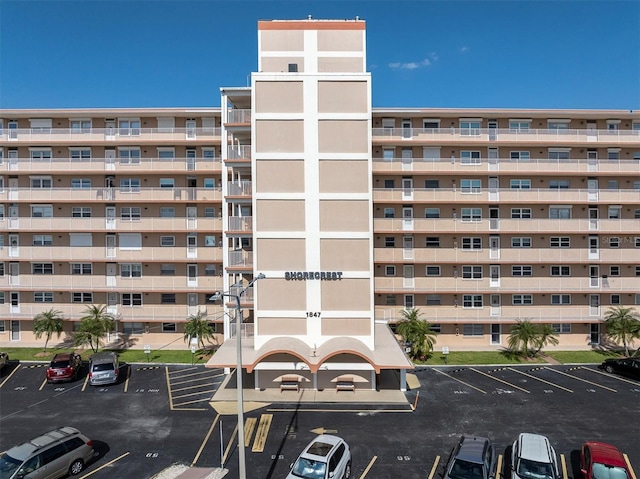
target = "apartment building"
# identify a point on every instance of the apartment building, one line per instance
(475, 217)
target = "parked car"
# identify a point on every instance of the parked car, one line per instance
(599, 460)
(50, 456)
(473, 457)
(64, 367)
(532, 457)
(104, 368)
(325, 457)
(629, 367)
(4, 360)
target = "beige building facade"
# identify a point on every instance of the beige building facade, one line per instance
(475, 217)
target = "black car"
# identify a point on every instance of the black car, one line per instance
(629, 367)
(473, 457)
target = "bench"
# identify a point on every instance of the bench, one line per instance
(345, 384)
(290, 383)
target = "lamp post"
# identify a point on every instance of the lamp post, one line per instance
(240, 398)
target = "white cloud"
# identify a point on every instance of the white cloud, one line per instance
(464, 49)
(410, 65)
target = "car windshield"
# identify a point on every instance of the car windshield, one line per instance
(103, 367)
(465, 470)
(602, 471)
(534, 470)
(309, 469)
(8, 465)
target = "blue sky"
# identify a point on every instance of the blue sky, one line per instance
(421, 53)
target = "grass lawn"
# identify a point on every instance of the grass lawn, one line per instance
(568, 357)
(477, 357)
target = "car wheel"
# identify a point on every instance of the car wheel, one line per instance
(608, 369)
(76, 467)
(347, 471)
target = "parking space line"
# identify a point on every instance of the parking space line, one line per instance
(194, 387)
(501, 380)
(369, 466)
(249, 426)
(195, 394)
(201, 373)
(182, 370)
(229, 444)
(580, 379)
(126, 383)
(262, 432)
(635, 383)
(179, 406)
(434, 468)
(166, 369)
(42, 385)
(499, 467)
(462, 382)
(541, 380)
(206, 439)
(188, 381)
(626, 459)
(86, 380)
(10, 374)
(106, 465)
(563, 463)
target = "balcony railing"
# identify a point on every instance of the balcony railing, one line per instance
(240, 259)
(130, 195)
(242, 224)
(99, 254)
(100, 165)
(88, 135)
(238, 116)
(239, 188)
(242, 152)
(506, 135)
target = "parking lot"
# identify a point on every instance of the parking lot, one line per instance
(158, 415)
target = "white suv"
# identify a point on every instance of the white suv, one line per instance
(532, 457)
(325, 457)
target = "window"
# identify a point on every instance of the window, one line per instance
(131, 299)
(389, 270)
(1, 269)
(389, 242)
(431, 184)
(80, 183)
(471, 272)
(129, 127)
(432, 212)
(614, 242)
(637, 270)
(614, 270)
(41, 182)
(637, 241)
(80, 126)
(167, 240)
(81, 268)
(166, 154)
(518, 184)
(433, 270)
(80, 154)
(130, 213)
(132, 328)
(167, 212)
(612, 184)
(209, 269)
(472, 330)
(613, 154)
(559, 155)
(560, 242)
(560, 212)
(469, 127)
(41, 211)
(389, 213)
(169, 327)
(167, 182)
(433, 300)
(409, 302)
(471, 214)
(209, 183)
(131, 270)
(209, 212)
(167, 270)
(43, 297)
(472, 243)
(81, 212)
(522, 270)
(519, 125)
(168, 298)
(558, 124)
(521, 213)
(2, 323)
(129, 185)
(40, 154)
(559, 184)
(471, 186)
(520, 156)
(389, 184)
(42, 240)
(615, 299)
(209, 240)
(521, 242)
(521, 299)
(560, 299)
(615, 212)
(388, 154)
(560, 270)
(42, 268)
(561, 328)
(432, 242)
(130, 241)
(470, 157)
(129, 156)
(79, 297)
(390, 300)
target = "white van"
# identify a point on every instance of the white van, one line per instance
(532, 457)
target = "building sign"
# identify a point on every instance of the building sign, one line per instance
(311, 275)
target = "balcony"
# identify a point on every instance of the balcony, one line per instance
(238, 117)
(496, 136)
(239, 153)
(111, 165)
(128, 195)
(240, 225)
(85, 136)
(239, 189)
(240, 259)
(504, 165)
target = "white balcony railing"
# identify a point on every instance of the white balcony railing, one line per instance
(100, 165)
(238, 116)
(129, 195)
(89, 135)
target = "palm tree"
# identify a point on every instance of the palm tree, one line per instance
(198, 327)
(523, 334)
(417, 332)
(94, 326)
(48, 323)
(623, 325)
(546, 335)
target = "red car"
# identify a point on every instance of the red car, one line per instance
(64, 367)
(599, 460)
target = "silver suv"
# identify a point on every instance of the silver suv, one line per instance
(50, 456)
(532, 457)
(104, 368)
(325, 457)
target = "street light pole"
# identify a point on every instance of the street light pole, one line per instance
(240, 396)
